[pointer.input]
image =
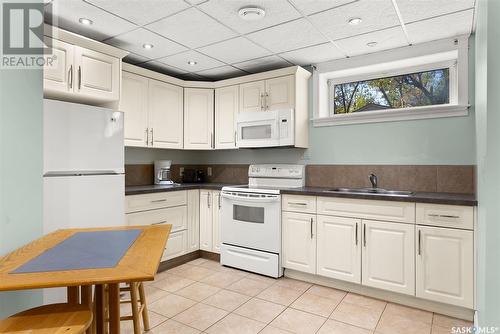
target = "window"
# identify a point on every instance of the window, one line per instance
(402, 91)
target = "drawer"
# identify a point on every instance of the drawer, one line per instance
(176, 216)
(367, 209)
(299, 203)
(454, 216)
(135, 203)
(176, 245)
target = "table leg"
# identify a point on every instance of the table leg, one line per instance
(114, 308)
(99, 312)
(73, 294)
(86, 296)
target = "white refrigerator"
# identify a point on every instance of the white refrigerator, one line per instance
(83, 169)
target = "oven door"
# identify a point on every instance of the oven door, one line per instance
(257, 129)
(251, 220)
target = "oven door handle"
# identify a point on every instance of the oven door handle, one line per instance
(267, 199)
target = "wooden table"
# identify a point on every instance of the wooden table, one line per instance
(139, 264)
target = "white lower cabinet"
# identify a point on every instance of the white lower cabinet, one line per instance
(176, 216)
(176, 245)
(339, 248)
(445, 265)
(210, 233)
(216, 227)
(299, 241)
(388, 260)
(193, 220)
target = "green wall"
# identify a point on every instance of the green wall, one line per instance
(20, 171)
(488, 162)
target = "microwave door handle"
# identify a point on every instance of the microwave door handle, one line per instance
(252, 199)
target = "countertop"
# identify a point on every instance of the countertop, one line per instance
(417, 197)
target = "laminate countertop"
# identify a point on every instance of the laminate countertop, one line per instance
(417, 197)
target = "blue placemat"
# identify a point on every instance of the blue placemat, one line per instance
(83, 250)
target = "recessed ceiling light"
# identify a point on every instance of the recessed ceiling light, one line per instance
(147, 46)
(371, 44)
(192, 62)
(354, 21)
(251, 13)
(85, 21)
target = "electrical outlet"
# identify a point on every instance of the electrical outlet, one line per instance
(209, 171)
(181, 171)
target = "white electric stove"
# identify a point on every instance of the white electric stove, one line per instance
(251, 218)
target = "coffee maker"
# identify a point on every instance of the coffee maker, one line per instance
(162, 172)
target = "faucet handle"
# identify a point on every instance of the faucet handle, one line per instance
(373, 180)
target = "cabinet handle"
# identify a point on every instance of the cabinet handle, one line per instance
(235, 137)
(158, 200)
(212, 140)
(152, 140)
(208, 200)
(70, 74)
(147, 136)
(419, 242)
(261, 101)
(311, 228)
(443, 216)
(219, 199)
(158, 223)
(79, 77)
(265, 100)
(356, 234)
(297, 203)
(364, 235)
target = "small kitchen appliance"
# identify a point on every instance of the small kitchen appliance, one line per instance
(162, 172)
(251, 218)
(193, 175)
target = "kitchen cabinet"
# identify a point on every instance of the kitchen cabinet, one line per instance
(339, 248)
(198, 118)
(388, 260)
(272, 94)
(226, 108)
(81, 74)
(176, 245)
(153, 112)
(210, 232)
(193, 220)
(445, 265)
(299, 241)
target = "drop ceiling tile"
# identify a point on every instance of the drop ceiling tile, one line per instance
(162, 68)
(386, 39)
(441, 27)
(133, 59)
(376, 15)
(134, 40)
(313, 54)
(414, 10)
(313, 6)
(263, 64)
(221, 73)
(277, 11)
(141, 11)
(192, 28)
(181, 61)
(196, 2)
(66, 13)
(234, 50)
(288, 36)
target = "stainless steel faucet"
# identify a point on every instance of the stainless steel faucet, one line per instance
(373, 180)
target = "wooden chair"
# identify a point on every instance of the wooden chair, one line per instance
(138, 303)
(49, 319)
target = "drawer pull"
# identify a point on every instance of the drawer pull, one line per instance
(419, 242)
(158, 223)
(356, 234)
(434, 215)
(312, 228)
(364, 235)
(159, 200)
(297, 203)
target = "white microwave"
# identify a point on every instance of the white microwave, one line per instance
(265, 128)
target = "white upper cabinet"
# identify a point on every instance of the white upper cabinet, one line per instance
(226, 108)
(445, 265)
(165, 115)
(252, 96)
(82, 75)
(339, 248)
(299, 241)
(134, 104)
(280, 93)
(198, 118)
(388, 260)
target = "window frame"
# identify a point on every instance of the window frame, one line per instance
(400, 62)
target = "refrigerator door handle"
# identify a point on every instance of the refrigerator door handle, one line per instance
(84, 173)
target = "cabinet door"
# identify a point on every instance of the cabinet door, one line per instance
(193, 220)
(97, 75)
(299, 241)
(226, 108)
(280, 93)
(206, 218)
(445, 265)
(59, 77)
(388, 259)
(252, 96)
(165, 115)
(134, 104)
(198, 118)
(216, 222)
(176, 245)
(339, 248)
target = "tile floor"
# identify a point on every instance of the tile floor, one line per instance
(204, 297)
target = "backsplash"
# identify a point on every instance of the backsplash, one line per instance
(422, 178)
